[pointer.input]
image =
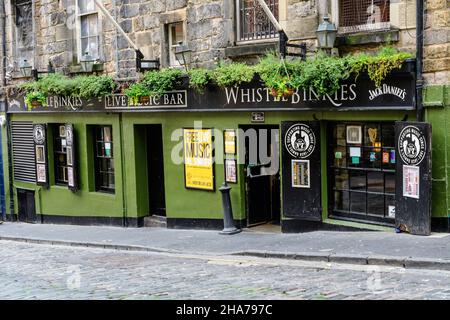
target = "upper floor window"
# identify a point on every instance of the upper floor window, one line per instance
(176, 35)
(89, 29)
(23, 30)
(363, 15)
(253, 23)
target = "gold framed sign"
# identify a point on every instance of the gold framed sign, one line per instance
(230, 141)
(198, 159)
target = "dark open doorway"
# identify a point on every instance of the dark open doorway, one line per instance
(27, 206)
(155, 169)
(150, 169)
(262, 174)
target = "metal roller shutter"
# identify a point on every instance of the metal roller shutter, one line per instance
(23, 151)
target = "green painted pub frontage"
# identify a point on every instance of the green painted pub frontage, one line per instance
(356, 159)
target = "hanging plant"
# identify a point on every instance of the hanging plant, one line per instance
(35, 99)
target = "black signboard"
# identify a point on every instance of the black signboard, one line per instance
(413, 182)
(40, 149)
(396, 92)
(72, 178)
(301, 170)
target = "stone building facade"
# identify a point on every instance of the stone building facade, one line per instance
(210, 28)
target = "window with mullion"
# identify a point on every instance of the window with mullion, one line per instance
(60, 155)
(104, 159)
(89, 28)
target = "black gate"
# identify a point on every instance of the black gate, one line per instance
(413, 186)
(301, 170)
(27, 206)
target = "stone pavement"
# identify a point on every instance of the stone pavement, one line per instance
(32, 271)
(375, 248)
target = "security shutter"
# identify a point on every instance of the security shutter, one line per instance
(23, 151)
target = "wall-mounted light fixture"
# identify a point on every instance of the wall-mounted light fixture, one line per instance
(183, 55)
(26, 69)
(145, 64)
(87, 62)
(326, 34)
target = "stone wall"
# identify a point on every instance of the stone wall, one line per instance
(210, 26)
(437, 42)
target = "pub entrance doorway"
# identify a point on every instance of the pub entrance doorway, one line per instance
(362, 171)
(262, 175)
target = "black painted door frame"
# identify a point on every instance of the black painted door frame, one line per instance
(26, 206)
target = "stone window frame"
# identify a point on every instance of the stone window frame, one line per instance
(172, 61)
(335, 8)
(16, 57)
(166, 19)
(79, 49)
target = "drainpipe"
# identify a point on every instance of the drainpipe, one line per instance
(419, 60)
(8, 132)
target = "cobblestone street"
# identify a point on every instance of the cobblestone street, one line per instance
(31, 271)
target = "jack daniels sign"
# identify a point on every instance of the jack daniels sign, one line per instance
(396, 92)
(66, 136)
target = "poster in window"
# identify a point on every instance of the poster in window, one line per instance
(70, 177)
(354, 134)
(40, 154)
(198, 159)
(69, 156)
(411, 181)
(230, 170)
(107, 134)
(230, 141)
(41, 173)
(62, 131)
(300, 174)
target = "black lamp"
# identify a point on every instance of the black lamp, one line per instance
(326, 34)
(26, 69)
(146, 65)
(87, 62)
(183, 54)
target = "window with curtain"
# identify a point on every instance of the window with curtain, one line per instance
(89, 29)
(363, 15)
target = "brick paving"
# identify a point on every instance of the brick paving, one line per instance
(33, 271)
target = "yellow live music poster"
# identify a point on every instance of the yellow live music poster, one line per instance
(198, 159)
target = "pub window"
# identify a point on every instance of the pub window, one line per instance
(23, 30)
(253, 23)
(60, 153)
(89, 29)
(176, 35)
(363, 15)
(104, 159)
(362, 171)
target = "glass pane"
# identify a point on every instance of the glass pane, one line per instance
(372, 158)
(390, 183)
(388, 135)
(375, 182)
(372, 135)
(358, 181)
(107, 134)
(375, 204)
(388, 159)
(340, 156)
(100, 149)
(355, 157)
(84, 26)
(390, 207)
(341, 179)
(358, 202)
(86, 6)
(93, 25)
(111, 182)
(341, 200)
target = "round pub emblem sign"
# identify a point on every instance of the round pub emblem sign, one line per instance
(300, 141)
(412, 145)
(39, 134)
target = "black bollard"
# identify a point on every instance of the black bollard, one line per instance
(228, 224)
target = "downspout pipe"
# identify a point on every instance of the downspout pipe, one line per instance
(8, 132)
(419, 61)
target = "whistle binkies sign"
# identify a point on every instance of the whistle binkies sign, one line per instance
(396, 92)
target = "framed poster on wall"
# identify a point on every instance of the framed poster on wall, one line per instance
(198, 159)
(300, 174)
(411, 181)
(354, 134)
(230, 171)
(230, 141)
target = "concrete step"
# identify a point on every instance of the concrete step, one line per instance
(155, 222)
